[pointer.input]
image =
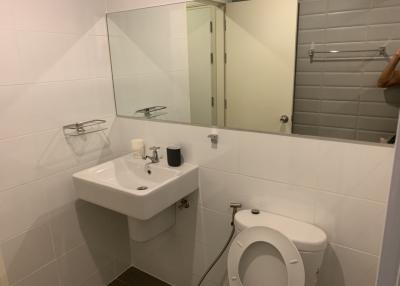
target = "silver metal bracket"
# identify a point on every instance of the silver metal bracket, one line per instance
(214, 138)
(284, 118)
(184, 204)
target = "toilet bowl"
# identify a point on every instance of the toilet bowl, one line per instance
(274, 250)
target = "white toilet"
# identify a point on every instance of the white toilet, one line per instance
(274, 250)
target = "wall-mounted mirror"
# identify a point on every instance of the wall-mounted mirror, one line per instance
(269, 66)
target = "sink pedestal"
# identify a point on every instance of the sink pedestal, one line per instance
(145, 230)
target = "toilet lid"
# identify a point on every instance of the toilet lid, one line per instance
(287, 250)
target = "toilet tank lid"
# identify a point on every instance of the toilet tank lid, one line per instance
(306, 237)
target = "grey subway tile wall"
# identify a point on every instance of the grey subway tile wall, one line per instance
(340, 98)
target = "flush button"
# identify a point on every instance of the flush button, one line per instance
(255, 211)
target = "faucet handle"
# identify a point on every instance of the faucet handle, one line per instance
(155, 148)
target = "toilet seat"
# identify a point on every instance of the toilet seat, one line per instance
(288, 251)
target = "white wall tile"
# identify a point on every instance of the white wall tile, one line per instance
(51, 16)
(26, 205)
(388, 268)
(55, 153)
(104, 231)
(218, 189)
(10, 68)
(177, 257)
(95, 16)
(78, 265)
(124, 5)
(54, 71)
(59, 189)
(344, 266)
(52, 56)
(212, 227)
(341, 171)
(71, 101)
(65, 229)
(27, 253)
(279, 158)
(207, 282)
(219, 272)
(16, 108)
(353, 223)
(101, 101)
(99, 56)
(61, 97)
(46, 276)
(18, 161)
(100, 27)
(7, 14)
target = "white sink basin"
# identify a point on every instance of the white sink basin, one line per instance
(125, 185)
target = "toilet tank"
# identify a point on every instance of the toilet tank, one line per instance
(310, 240)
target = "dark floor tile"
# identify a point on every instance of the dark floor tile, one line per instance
(117, 283)
(135, 277)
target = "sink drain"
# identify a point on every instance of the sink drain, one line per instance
(142, 188)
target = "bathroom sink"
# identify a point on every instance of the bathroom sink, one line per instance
(131, 187)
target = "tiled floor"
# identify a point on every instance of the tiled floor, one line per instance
(135, 277)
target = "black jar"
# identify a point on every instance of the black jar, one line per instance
(174, 156)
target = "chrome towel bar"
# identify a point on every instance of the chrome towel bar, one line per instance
(381, 54)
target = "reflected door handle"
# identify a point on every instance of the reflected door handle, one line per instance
(284, 119)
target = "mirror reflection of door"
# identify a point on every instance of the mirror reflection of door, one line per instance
(200, 21)
(260, 46)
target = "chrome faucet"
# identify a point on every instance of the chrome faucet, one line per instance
(154, 158)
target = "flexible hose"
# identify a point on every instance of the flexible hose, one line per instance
(223, 249)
